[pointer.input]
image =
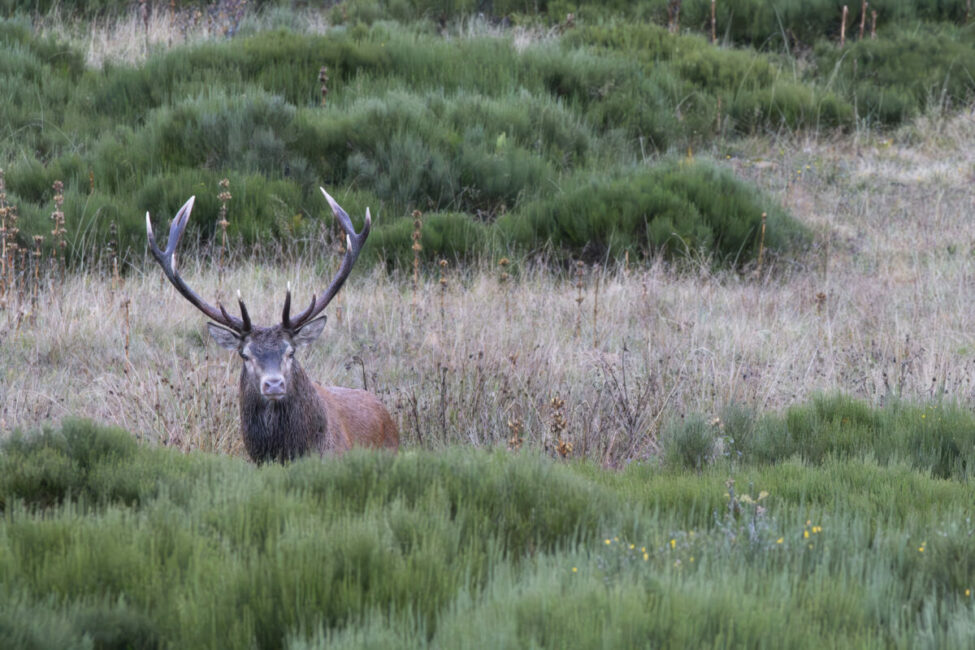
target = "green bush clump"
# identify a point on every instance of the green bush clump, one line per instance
(402, 534)
(53, 465)
(452, 236)
(39, 78)
(674, 208)
(907, 72)
(739, 90)
(688, 442)
(938, 439)
(765, 24)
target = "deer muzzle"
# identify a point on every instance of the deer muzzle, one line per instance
(273, 387)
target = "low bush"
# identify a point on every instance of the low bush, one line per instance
(689, 442)
(937, 439)
(907, 72)
(675, 208)
(473, 127)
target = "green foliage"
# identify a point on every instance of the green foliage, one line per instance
(450, 236)
(688, 442)
(675, 208)
(778, 24)
(938, 439)
(907, 72)
(477, 131)
(52, 466)
(514, 550)
(742, 90)
(471, 129)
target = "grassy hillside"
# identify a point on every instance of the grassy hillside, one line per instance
(106, 543)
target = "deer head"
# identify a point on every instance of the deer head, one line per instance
(269, 367)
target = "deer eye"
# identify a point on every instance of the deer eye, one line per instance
(290, 353)
(245, 357)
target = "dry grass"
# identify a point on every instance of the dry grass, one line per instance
(881, 309)
(131, 37)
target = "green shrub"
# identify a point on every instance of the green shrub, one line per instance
(738, 426)
(766, 24)
(49, 466)
(688, 442)
(711, 85)
(511, 549)
(905, 72)
(938, 439)
(837, 426)
(451, 236)
(674, 208)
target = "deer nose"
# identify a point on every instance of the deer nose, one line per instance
(272, 387)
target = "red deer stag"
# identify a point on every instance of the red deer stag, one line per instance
(283, 414)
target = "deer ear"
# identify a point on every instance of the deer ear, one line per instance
(309, 332)
(224, 337)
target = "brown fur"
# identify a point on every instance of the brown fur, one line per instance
(358, 418)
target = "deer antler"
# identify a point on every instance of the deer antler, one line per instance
(354, 242)
(218, 314)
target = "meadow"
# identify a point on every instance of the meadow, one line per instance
(677, 334)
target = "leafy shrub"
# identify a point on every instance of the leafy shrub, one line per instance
(47, 467)
(688, 442)
(715, 84)
(936, 438)
(941, 439)
(450, 236)
(472, 127)
(905, 72)
(837, 426)
(674, 208)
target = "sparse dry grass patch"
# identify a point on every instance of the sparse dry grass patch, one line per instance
(130, 37)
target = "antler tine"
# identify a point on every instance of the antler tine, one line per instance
(286, 322)
(354, 243)
(165, 259)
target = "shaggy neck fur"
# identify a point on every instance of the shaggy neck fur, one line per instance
(280, 430)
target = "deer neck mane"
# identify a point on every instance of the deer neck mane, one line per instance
(280, 430)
